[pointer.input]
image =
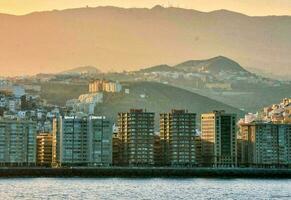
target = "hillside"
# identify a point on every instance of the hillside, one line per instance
(58, 93)
(159, 98)
(159, 68)
(117, 39)
(219, 78)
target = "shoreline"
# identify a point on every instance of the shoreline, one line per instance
(139, 172)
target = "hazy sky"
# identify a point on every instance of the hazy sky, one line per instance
(250, 7)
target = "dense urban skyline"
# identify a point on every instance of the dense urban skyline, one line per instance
(249, 7)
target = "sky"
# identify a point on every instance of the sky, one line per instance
(249, 7)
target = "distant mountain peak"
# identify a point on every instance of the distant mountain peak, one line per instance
(82, 70)
(158, 68)
(156, 7)
(226, 12)
(213, 65)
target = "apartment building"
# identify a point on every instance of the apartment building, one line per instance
(219, 144)
(44, 149)
(177, 132)
(104, 86)
(82, 140)
(17, 142)
(136, 130)
(265, 144)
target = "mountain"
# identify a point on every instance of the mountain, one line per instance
(82, 70)
(219, 78)
(213, 65)
(117, 39)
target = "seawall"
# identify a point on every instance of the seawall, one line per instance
(127, 172)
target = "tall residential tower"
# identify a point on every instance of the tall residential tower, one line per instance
(177, 132)
(136, 131)
(219, 145)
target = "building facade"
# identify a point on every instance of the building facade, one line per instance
(82, 140)
(104, 86)
(17, 143)
(219, 144)
(177, 132)
(265, 144)
(44, 149)
(136, 131)
(116, 149)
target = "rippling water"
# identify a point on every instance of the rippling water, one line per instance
(118, 188)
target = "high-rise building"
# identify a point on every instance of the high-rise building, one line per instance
(44, 149)
(158, 153)
(136, 130)
(198, 149)
(82, 140)
(100, 141)
(219, 144)
(17, 142)
(56, 142)
(265, 144)
(116, 149)
(177, 131)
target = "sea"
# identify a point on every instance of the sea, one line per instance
(144, 188)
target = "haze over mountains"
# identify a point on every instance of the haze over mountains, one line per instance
(116, 39)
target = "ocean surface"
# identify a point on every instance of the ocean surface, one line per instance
(151, 188)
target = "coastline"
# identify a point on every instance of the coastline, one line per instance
(142, 172)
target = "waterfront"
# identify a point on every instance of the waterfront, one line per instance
(152, 188)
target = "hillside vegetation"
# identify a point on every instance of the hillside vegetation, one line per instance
(159, 98)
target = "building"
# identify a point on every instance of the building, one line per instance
(116, 149)
(198, 150)
(56, 142)
(82, 140)
(136, 130)
(104, 86)
(219, 145)
(44, 149)
(17, 143)
(85, 103)
(158, 153)
(100, 141)
(265, 144)
(177, 132)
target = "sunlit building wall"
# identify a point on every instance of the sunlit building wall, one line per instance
(44, 149)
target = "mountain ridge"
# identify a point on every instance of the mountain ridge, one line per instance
(214, 65)
(118, 39)
(82, 69)
(156, 7)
